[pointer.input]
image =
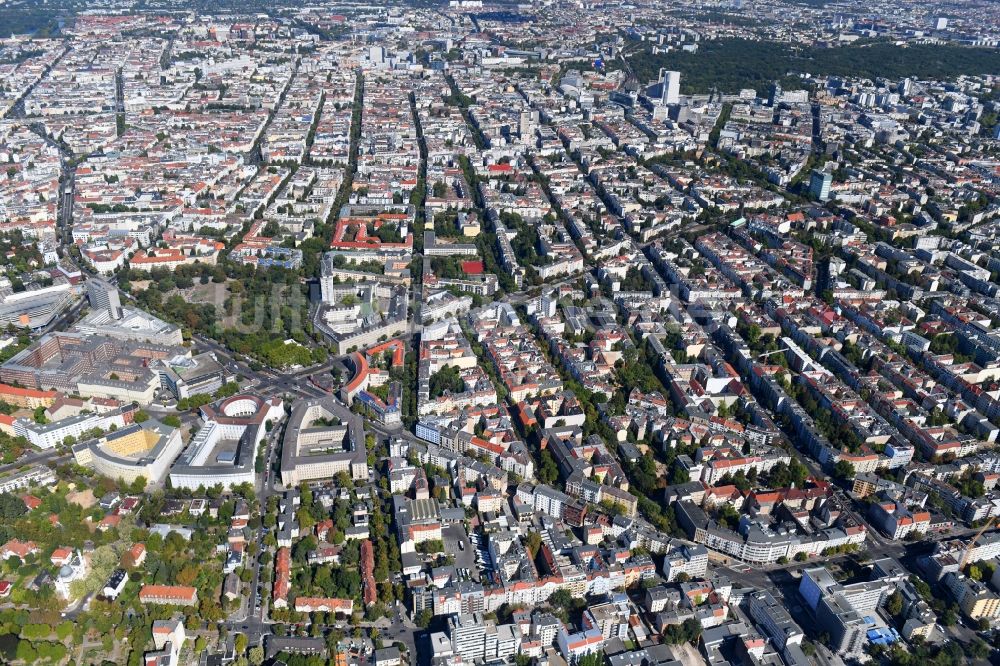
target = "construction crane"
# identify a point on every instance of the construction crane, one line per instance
(968, 549)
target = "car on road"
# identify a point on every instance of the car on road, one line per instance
(461, 545)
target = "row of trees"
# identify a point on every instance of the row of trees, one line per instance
(782, 475)
(730, 65)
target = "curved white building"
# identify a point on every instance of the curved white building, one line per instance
(224, 450)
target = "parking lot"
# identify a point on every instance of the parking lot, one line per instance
(464, 554)
(481, 555)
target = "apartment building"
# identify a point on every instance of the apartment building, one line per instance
(169, 595)
(688, 559)
(975, 599)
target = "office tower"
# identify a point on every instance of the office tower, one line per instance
(866, 98)
(671, 87)
(104, 296)
(819, 184)
(776, 93)
(527, 124)
(468, 635)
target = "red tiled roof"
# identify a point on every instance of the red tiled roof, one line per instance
(26, 393)
(331, 604)
(19, 548)
(61, 555)
(178, 592)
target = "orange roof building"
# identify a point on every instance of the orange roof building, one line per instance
(61, 556)
(17, 548)
(27, 398)
(324, 604)
(137, 553)
(282, 577)
(172, 595)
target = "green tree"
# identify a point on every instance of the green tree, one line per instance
(843, 470)
(729, 517)
(533, 543)
(687, 632)
(26, 652)
(226, 390)
(305, 518)
(64, 630)
(894, 604)
(447, 379)
(548, 472)
(11, 508)
(977, 648)
(678, 474)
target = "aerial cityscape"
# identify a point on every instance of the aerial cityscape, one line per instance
(474, 332)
